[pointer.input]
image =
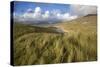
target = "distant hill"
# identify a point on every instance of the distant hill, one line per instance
(90, 15)
(86, 23)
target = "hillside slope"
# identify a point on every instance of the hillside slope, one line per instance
(83, 24)
(39, 45)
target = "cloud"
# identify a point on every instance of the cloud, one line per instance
(73, 17)
(31, 15)
(37, 10)
(38, 15)
(29, 10)
(82, 10)
(55, 11)
(67, 16)
(46, 15)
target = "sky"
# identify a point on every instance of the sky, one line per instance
(33, 11)
(21, 7)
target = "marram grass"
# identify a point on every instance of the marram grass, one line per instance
(32, 47)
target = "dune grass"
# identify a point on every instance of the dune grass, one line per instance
(32, 47)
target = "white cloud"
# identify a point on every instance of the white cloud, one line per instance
(54, 12)
(73, 17)
(31, 15)
(37, 15)
(29, 10)
(37, 10)
(66, 15)
(27, 15)
(46, 15)
(58, 15)
(82, 10)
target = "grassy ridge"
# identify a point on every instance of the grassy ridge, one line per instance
(33, 45)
